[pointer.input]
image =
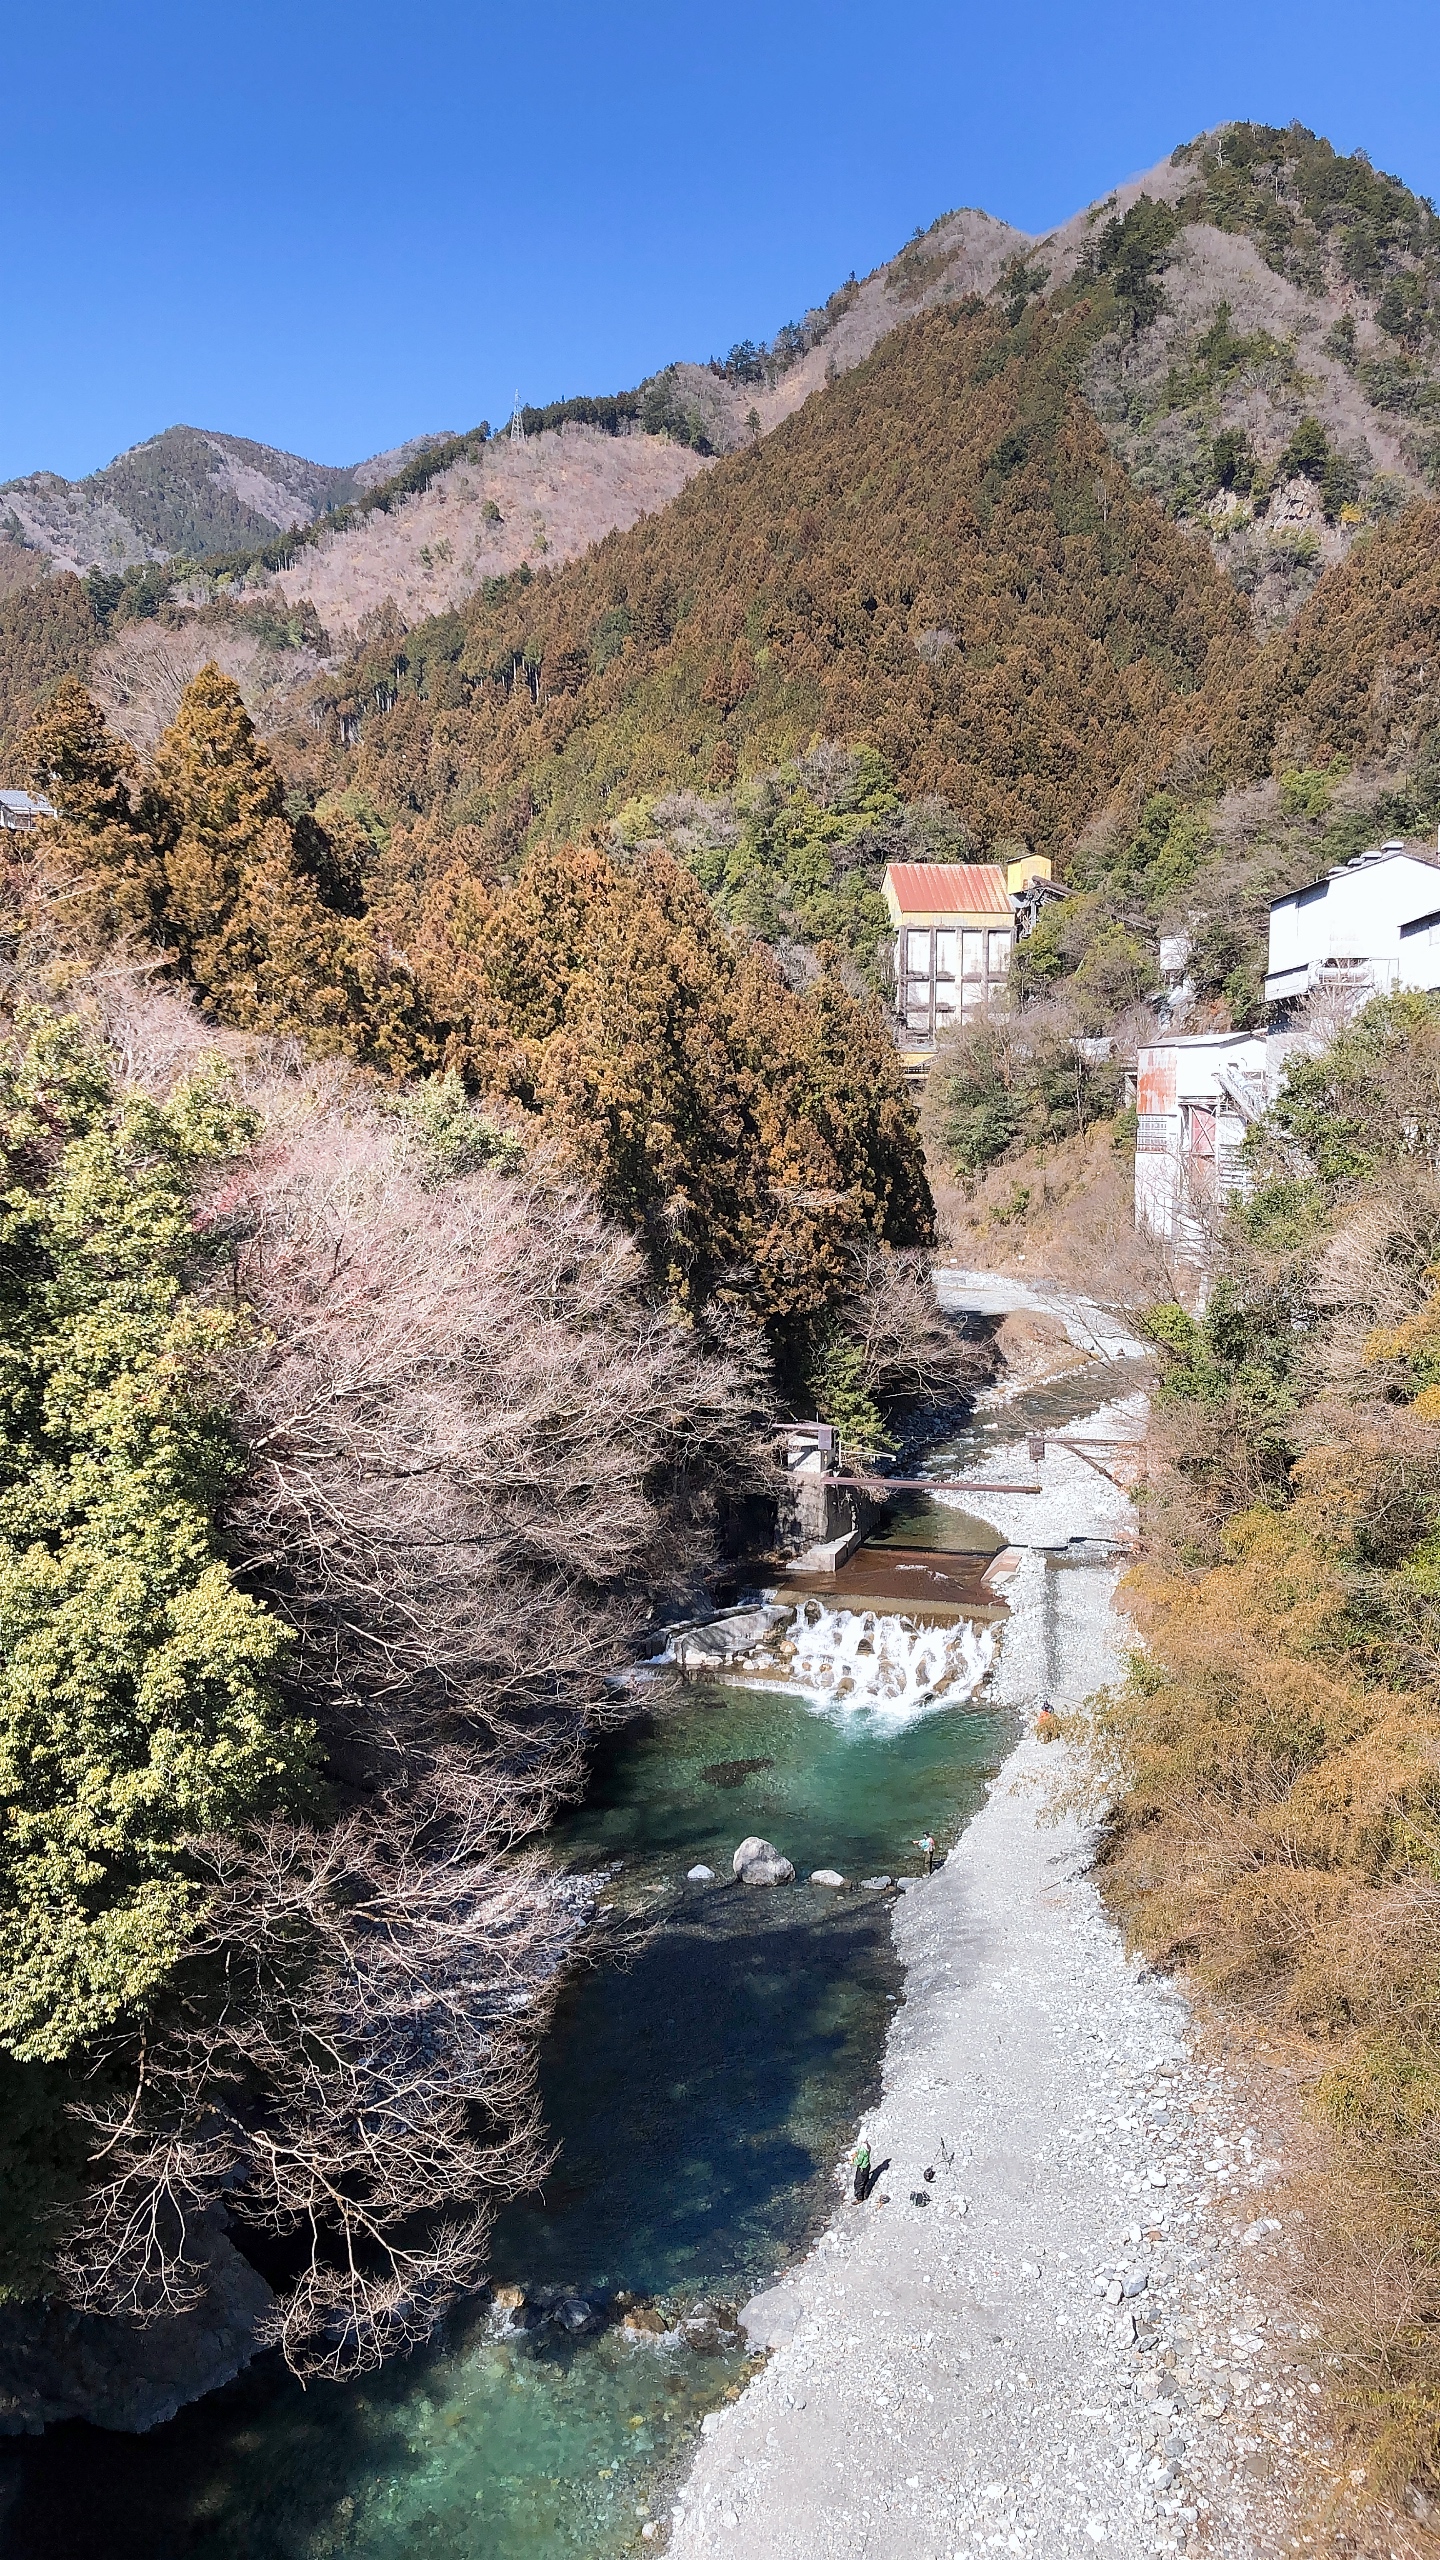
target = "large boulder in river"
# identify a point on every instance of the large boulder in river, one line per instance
(726, 1640)
(57, 2364)
(756, 1861)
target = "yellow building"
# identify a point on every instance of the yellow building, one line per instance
(954, 933)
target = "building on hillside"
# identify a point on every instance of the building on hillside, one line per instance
(1370, 927)
(1195, 1098)
(954, 933)
(20, 810)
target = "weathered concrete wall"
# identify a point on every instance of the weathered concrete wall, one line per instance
(811, 1509)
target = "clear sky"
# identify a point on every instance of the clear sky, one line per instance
(331, 227)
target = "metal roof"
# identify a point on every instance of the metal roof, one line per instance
(949, 888)
(1374, 854)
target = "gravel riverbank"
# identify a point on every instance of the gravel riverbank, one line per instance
(1082, 2336)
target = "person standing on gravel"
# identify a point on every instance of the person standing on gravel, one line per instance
(926, 1842)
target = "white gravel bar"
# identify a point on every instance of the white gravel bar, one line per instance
(1081, 2339)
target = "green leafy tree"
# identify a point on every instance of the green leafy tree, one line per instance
(138, 1699)
(1372, 1098)
(832, 1385)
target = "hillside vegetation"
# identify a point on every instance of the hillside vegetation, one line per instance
(938, 556)
(440, 1141)
(188, 491)
(355, 1427)
(1272, 1758)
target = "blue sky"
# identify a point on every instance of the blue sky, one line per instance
(333, 227)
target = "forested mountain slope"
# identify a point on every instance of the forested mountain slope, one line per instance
(1264, 369)
(937, 555)
(1275, 383)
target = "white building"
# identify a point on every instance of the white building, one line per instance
(21, 811)
(1370, 927)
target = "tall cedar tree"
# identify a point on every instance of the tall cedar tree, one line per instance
(757, 1139)
(203, 860)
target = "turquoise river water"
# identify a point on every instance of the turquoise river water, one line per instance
(701, 2086)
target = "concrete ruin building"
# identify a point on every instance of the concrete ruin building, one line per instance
(956, 925)
(1370, 927)
(1195, 1097)
(21, 812)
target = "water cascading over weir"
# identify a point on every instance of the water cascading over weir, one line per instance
(860, 1622)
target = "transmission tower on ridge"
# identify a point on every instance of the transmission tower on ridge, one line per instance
(517, 427)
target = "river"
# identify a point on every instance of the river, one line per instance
(701, 2079)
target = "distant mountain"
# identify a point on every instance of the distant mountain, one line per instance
(190, 491)
(1264, 367)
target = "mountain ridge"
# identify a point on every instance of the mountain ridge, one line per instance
(191, 490)
(1269, 381)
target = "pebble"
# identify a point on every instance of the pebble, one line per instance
(1015, 2370)
(1067, 2325)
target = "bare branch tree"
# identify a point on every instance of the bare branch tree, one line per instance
(477, 1452)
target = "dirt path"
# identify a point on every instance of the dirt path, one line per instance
(1080, 2338)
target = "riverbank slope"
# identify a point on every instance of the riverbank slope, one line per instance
(1081, 2338)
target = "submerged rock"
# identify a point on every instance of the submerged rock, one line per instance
(700, 1875)
(574, 2314)
(644, 2321)
(733, 1773)
(56, 2363)
(757, 1861)
(876, 1884)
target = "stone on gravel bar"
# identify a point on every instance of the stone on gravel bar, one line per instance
(756, 1861)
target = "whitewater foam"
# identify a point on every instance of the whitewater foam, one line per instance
(892, 1670)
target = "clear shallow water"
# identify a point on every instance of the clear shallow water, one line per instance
(918, 1520)
(701, 2084)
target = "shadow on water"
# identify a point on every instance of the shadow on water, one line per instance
(700, 2092)
(700, 2089)
(730, 2032)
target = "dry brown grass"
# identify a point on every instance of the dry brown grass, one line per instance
(1277, 1774)
(1064, 1213)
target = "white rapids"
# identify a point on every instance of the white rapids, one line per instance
(890, 1666)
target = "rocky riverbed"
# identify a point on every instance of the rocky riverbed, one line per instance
(1062, 2320)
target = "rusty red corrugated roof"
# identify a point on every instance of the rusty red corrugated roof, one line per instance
(949, 888)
